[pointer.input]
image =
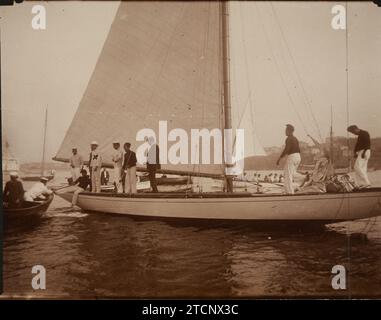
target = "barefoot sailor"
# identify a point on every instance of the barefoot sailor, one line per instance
(292, 151)
(362, 155)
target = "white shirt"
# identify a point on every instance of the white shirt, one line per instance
(117, 158)
(38, 190)
(95, 159)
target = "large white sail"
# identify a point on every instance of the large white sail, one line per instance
(160, 61)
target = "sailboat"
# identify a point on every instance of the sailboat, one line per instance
(9, 162)
(170, 60)
(31, 177)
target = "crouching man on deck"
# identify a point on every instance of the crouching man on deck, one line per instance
(292, 151)
(83, 182)
(362, 155)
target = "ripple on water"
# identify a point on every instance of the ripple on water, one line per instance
(108, 255)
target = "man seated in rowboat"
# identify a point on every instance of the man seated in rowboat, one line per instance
(13, 192)
(39, 191)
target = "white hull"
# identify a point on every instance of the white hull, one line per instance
(319, 207)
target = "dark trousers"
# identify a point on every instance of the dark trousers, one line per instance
(152, 176)
(14, 205)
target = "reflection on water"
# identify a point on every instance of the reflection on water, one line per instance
(87, 254)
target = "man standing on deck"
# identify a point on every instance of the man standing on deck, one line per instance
(76, 164)
(95, 164)
(153, 163)
(129, 168)
(13, 192)
(117, 158)
(292, 151)
(362, 155)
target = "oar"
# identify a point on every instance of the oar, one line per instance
(57, 189)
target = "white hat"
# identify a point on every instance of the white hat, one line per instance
(13, 174)
(115, 141)
(44, 179)
(94, 143)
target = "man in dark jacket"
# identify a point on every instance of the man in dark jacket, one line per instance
(292, 154)
(153, 163)
(13, 192)
(129, 169)
(362, 155)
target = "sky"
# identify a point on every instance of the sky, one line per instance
(287, 62)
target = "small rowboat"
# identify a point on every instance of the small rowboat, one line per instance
(28, 212)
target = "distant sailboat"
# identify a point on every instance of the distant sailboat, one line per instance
(170, 60)
(9, 162)
(42, 172)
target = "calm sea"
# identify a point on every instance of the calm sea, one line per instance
(101, 255)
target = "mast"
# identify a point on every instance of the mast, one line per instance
(226, 88)
(44, 144)
(1, 105)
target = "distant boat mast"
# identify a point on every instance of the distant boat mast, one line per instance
(44, 144)
(331, 138)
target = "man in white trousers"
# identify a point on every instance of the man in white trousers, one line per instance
(362, 155)
(95, 165)
(76, 164)
(292, 152)
(117, 159)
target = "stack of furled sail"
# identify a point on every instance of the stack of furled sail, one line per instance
(160, 61)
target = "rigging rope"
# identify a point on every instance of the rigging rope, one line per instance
(304, 95)
(248, 80)
(279, 70)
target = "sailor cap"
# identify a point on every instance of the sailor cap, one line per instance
(13, 174)
(94, 143)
